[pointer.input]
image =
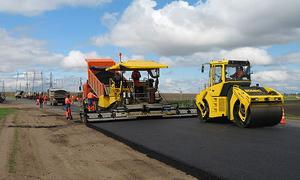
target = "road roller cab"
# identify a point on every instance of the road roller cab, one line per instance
(230, 95)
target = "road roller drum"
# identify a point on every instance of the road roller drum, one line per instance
(230, 95)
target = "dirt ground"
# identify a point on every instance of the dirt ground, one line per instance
(38, 144)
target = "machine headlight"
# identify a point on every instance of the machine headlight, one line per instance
(277, 99)
(254, 99)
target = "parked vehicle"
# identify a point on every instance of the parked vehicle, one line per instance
(19, 94)
(57, 96)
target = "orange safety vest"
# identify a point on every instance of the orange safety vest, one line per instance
(136, 78)
(90, 95)
(67, 101)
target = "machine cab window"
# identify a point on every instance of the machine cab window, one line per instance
(236, 72)
(217, 74)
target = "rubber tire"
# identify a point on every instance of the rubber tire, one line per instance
(85, 119)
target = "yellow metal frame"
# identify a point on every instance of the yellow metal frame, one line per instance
(114, 95)
(137, 65)
(220, 106)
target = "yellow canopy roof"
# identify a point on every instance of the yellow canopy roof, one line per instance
(137, 65)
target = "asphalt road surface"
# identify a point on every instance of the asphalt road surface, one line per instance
(214, 150)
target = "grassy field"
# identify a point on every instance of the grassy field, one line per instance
(13, 152)
(293, 117)
(3, 113)
(12, 157)
(291, 97)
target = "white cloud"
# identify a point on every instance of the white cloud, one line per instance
(254, 55)
(76, 59)
(289, 58)
(137, 56)
(109, 19)
(180, 28)
(169, 61)
(285, 80)
(16, 53)
(271, 76)
(35, 7)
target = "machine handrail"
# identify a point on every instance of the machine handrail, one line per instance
(94, 83)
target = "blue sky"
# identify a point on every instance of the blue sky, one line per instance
(56, 37)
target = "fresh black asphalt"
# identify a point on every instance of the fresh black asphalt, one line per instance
(214, 150)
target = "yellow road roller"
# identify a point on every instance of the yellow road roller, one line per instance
(229, 95)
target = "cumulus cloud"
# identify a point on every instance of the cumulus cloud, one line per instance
(35, 7)
(109, 19)
(272, 76)
(256, 56)
(289, 58)
(180, 28)
(76, 59)
(16, 53)
(282, 80)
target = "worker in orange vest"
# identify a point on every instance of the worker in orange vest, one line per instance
(91, 100)
(138, 89)
(68, 112)
(136, 75)
(41, 101)
(45, 99)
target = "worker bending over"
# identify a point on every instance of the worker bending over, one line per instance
(91, 101)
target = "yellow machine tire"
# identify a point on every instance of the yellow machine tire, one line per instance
(204, 118)
(237, 119)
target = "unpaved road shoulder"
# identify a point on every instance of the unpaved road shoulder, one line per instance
(49, 147)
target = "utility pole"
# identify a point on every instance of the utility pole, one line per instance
(33, 80)
(80, 85)
(51, 81)
(3, 87)
(42, 78)
(17, 81)
(27, 85)
(120, 57)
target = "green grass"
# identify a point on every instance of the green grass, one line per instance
(291, 97)
(12, 156)
(292, 117)
(183, 103)
(13, 152)
(3, 113)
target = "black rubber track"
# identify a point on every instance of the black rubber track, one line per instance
(214, 150)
